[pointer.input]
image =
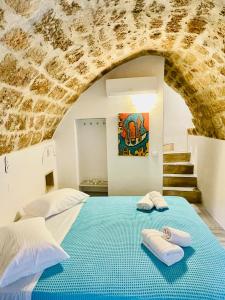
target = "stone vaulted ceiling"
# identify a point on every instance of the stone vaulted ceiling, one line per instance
(52, 50)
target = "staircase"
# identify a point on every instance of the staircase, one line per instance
(179, 178)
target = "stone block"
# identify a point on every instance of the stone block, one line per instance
(10, 98)
(41, 85)
(16, 122)
(16, 39)
(13, 74)
(51, 29)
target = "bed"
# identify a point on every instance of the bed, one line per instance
(107, 260)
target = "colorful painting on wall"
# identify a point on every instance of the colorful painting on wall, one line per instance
(133, 134)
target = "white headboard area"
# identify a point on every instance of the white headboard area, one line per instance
(23, 177)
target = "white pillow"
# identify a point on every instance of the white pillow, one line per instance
(54, 203)
(26, 248)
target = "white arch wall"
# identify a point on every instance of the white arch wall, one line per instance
(126, 175)
(208, 155)
(177, 119)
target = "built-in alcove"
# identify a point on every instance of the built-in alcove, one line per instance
(49, 182)
(92, 155)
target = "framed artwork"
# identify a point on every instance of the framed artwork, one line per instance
(133, 134)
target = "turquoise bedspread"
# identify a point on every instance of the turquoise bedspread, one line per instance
(108, 261)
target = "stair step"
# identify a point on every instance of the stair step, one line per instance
(192, 195)
(178, 168)
(176, 157)
(180, 181)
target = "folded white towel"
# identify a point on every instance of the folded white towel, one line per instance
(145, 203)
(159, 203)
(167, 252)
(176, 236)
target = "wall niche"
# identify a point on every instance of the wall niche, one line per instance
(92, 155)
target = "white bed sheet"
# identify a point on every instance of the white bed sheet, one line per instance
(59, 226)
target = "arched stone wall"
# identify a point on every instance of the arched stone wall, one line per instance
(51, 51)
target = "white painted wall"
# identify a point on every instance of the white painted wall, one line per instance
(177, 119)
(126, 175)
(92, 148)
(25, 179)
(209, 158)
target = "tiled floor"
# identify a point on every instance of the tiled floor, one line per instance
(212, 224)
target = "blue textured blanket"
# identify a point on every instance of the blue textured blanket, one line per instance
(108, 261)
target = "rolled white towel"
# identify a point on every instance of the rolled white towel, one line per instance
(177, 236)
(146, 232)
(160, 203)
(145, 203)
(167, 252)
(154, 194)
